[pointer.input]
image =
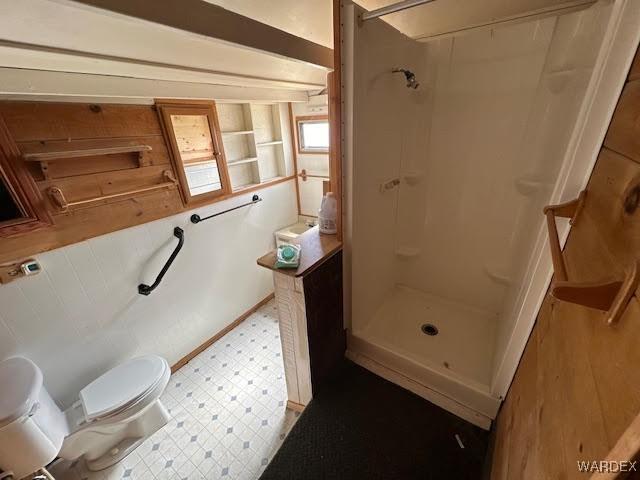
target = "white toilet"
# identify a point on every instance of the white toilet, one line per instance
(114, 414)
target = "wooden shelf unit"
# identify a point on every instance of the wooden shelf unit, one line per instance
(46, 156)
(238, 132)
(255, 142)
(242, 161)
(610, 296)
(267, 144)
(57, 195)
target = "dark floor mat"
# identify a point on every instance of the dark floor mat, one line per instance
(360, 426)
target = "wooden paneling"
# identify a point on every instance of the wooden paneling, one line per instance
(38, 121)
(634, 73)
(88, 223)
(96, 164)
(624, 133)
(577, 389)
(193, 137)
(38, 127)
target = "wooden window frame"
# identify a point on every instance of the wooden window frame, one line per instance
(298, 133)
(22, 189)
(166, 108)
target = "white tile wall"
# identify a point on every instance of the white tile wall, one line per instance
(228, 415)
(83, 314)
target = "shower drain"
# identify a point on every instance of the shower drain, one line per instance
(429, 329)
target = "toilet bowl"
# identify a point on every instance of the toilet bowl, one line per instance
(112, 416)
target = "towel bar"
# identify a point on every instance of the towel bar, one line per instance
(195, 218)
(58, 197)
(610, 296)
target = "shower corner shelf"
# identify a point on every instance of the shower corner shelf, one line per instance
(498, 276)
(527, 186)
(407, 252)
(610, 296)
(389, 185)
(413, 177)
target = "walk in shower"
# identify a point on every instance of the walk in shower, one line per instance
(446, 183)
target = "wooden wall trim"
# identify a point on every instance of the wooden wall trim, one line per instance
(167, 108)
(191, 355)
(335, 115)
(22, 187)
(294, 153)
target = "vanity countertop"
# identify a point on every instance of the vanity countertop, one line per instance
(316, 248)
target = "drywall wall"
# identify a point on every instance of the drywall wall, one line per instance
(310, 190)
(83, 314)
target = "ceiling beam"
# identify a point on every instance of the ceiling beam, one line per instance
(203, 18)
(63, 86)
(36, 57)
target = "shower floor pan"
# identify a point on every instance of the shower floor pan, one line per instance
(451, 369)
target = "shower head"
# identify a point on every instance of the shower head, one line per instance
(409, 76)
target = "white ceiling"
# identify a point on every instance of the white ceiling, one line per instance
(61, 36)
(445, 16)
(309, 19)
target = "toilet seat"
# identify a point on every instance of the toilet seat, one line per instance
(124, 387)
(114, 414)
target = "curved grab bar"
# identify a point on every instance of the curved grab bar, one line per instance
(144, 289)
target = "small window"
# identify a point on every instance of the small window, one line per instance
(313, 134)
(22, 208)
(10, 210)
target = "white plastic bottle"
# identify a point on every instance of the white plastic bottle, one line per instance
(328, 213)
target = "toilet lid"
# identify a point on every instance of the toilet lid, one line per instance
(21, 381)
(122, 385)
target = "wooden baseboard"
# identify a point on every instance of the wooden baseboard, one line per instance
(191, 355)
(296, 407)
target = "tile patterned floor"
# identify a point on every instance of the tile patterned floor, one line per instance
(228, 413)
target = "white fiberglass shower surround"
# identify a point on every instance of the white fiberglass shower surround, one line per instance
(445, 185)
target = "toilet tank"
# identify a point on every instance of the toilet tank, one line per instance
(32, 427)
